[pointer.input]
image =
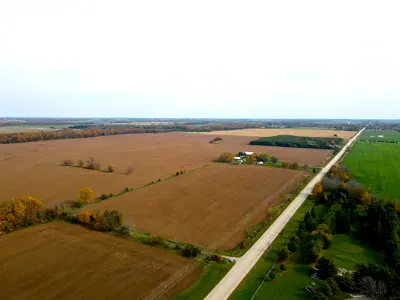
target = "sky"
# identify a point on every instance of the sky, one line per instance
(195, 59)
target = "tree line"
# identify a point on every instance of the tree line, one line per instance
(95, 131)
(356, 211)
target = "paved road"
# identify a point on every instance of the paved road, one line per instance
(242, 267)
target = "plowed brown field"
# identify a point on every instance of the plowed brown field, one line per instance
(212, 206)
(64, 261)
(34, 168)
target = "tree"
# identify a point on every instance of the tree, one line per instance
(271, 275)
(317, 190)
(285, 165)
(326, 289)
(190, 251)
(85, 194)
(313, 254)
(334, 286)
(264, 157)
(282, 267)
(372, 288)
(100, 223)
(110, 168)
(365, 198)
(225, 157)
(346, 283)
(292, 247)
(283, 254)
(295, 165)
(326, 268)
(313, 212)
(113, 219)
(83, 218)
(251, 159)
(274, 159)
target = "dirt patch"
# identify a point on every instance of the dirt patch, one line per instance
(285, 131)
(210, 207)
(34, 168)
(64, 261)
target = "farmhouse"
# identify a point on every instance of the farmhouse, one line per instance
(249, 153)
(381, 136)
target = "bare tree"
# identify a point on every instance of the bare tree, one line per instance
(372, 288)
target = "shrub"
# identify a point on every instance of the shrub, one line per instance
(177, 174)
(155, 240)
(282, 267)
(81, 163)
(126, 231)
(274, 159)
(96, 166)
(285, 165)
(67, 162)
(110, 195)
(283, 254)
(110, 168)
(79, 203)
(103, 197)
(90, 163)
(182, 172)
(190, 251)
(271, 275)
(126, 190)
(295, 165)
(225, 157)
(264, 157)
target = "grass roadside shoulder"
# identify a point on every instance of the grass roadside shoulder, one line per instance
(252, 281)
(212, 274)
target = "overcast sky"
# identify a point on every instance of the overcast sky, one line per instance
(261, 59)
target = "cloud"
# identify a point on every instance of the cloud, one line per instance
(206, 59)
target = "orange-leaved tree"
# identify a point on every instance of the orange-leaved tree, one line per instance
(83, 218)
(86, 194)
(18, 212)
(225, 157)
(317, 190)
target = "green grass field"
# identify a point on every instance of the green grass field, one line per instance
(376, 166)
(31, 128)
(346, 251)
(390, 136)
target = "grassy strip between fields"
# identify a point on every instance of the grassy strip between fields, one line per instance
(252, 281)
